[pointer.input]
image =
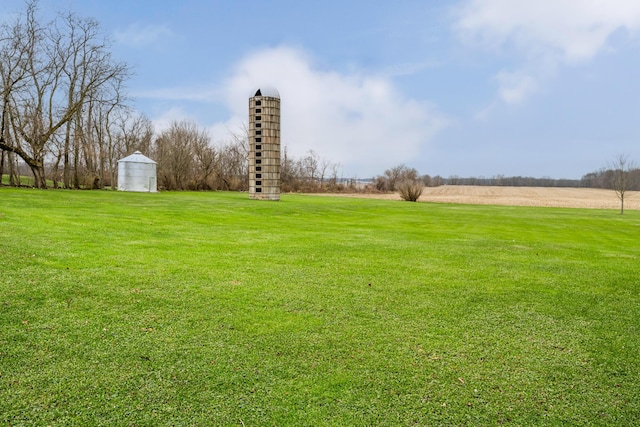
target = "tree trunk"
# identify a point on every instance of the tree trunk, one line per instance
(14, 179)
(76, 163)
(2, 155)
(56, 167)
(38, 175)
(66, 174)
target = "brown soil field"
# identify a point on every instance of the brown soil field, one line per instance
(518, 196)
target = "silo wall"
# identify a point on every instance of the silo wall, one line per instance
(264, 148)
(141, 177)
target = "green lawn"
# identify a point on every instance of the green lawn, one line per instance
(211, 309)
(24, 180)
(28, 181)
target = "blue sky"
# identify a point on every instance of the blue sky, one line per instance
(466, 87)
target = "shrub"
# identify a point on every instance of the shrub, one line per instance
(410, 190)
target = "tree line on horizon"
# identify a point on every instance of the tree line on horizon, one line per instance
(604, 178)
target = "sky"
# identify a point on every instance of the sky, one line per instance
(471, 88)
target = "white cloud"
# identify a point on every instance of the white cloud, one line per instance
(138, 36)
(575, 30)
(515, 87)
(358, 120)
(546, 34)
(164, 120)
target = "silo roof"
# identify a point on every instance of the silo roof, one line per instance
(137, 157)
(268, 91)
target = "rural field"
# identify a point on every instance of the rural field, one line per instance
(121, 309)
(591, 198)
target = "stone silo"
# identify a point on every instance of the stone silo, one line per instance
(137, 172)
(264, 145)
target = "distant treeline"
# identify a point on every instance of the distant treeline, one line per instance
(602, 178)
(515, 181)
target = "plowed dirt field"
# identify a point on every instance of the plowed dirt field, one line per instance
(519, 196)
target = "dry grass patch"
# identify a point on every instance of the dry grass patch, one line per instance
(591, 198)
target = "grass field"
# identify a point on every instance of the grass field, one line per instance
(557, 197)
(212, 309)
(24, 180)
(27, 181)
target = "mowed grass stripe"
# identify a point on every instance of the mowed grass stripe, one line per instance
(212, 309)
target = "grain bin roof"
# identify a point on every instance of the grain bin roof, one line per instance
(268, 91)
(137, 157)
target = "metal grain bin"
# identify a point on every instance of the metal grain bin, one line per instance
(137, 173)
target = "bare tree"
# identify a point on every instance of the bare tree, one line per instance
(394, 176)
(17, 41)
(232, 166)
(186, 159)
(135, 132)
(333, 180)
(287, 180)
(310, 163)
(174, 154)
(308, 173)
(204, 161)
(622, 178)
(50, 72)
(322, 169)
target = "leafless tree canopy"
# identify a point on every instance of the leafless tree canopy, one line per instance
(623, 178)
(392, 177)
(189, 160)
(310, 173)
(60, 90)
(185, 157)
